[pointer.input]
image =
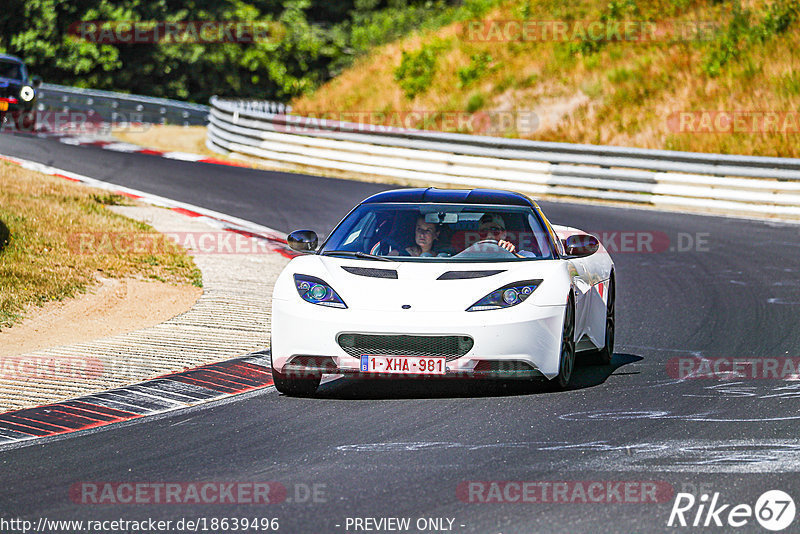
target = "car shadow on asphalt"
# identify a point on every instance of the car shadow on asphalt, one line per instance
(586, 375)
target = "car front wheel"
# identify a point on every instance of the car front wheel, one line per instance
(567, 358)
(303, 385)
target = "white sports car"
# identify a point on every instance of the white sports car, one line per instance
(442, 282)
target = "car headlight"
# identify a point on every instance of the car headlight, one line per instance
(507, 296)
(316, 291)
(27, 93)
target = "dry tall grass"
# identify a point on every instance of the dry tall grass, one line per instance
(623, 93)
(41, 262)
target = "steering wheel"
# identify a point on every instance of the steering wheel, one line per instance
(477, 245)
(386, 245)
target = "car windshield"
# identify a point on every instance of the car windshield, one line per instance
(440, 232)
(10, 69)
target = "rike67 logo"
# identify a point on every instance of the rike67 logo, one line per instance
(774, 510)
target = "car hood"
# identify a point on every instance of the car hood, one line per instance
(364, 284)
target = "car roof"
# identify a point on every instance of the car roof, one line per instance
(452, 196)
(7, 57)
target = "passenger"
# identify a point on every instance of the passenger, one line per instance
(425, 236)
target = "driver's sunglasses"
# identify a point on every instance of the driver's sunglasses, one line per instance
(493, 229)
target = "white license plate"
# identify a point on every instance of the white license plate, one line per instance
(403, 365)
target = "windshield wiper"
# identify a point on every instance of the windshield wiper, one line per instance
(356, 254)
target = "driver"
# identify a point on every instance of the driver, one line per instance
(492, 226)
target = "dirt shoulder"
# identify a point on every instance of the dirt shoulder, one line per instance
(114, 306)
(168, 138)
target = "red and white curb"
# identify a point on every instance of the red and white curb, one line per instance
(275, 240)
(118, 146)
(164, 394)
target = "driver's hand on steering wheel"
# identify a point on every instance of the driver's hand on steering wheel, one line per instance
(508, 245)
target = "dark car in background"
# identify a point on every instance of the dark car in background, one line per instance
(18, 93)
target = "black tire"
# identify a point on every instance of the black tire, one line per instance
(603, 356)
(566, 362)
(25, 121)
(295, 386)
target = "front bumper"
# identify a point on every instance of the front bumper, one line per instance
(522, 341)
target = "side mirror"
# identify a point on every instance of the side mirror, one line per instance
(36, 81)
(302, 240)
(581, 245)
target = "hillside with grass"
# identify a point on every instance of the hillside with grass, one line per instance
(708, 76)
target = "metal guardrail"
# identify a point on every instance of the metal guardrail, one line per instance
(119, 107)
(263, 106)
(746, 184)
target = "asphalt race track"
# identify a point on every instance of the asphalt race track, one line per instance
(409, 449)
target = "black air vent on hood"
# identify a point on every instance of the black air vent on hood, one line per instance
(372, 272)
(466, 275)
